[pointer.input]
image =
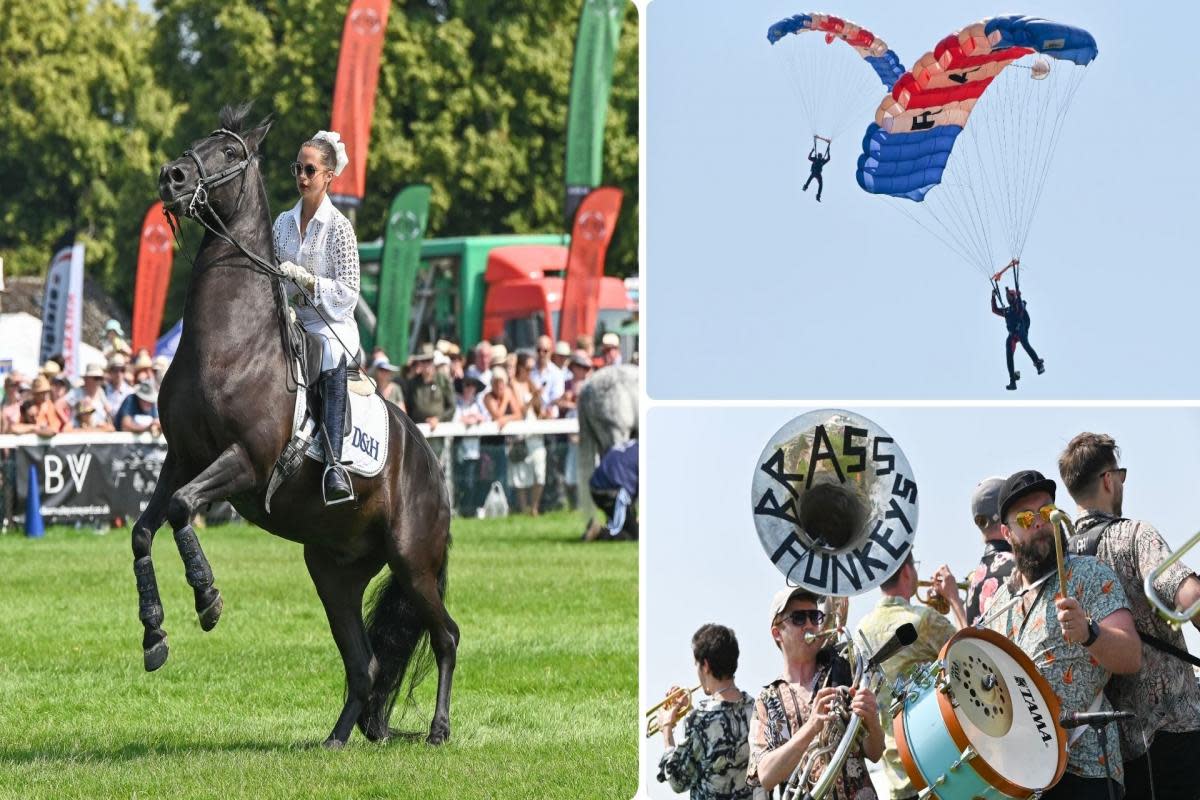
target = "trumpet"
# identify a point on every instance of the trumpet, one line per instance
(810, 637)
(1176, 618)
(934, 600)
(679, 696)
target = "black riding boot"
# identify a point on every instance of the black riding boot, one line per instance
(336, 481)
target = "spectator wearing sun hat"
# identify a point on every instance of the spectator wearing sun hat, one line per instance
(114, 336)
(46, 414)
(469, 410)
(92, 390)
(610, 345)
(161, 365)
(117, 386)
(139, 412)
(16, 392)
(383, 372)
(60, 391)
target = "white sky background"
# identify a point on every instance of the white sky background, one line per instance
(850, 298)
(703, 561)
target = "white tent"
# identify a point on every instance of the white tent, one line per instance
(21, 341)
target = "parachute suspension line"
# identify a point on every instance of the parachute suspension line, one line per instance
(1073, 85)
(835, 86)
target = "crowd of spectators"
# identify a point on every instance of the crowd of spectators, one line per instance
(489, 383)
(118, 395)
(439, 383)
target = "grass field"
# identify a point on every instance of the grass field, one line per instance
(544, 702)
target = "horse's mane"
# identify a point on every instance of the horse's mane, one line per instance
(233, 117)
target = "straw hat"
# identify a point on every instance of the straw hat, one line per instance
(51, 368)
(40, 384)
(94, 370)
(143, 361)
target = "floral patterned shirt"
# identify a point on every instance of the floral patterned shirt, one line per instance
(1164, 694)
(710, 762)
(1072, 672)
(779, 712)
(994, 569)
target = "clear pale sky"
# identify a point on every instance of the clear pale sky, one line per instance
(849, 298)
(703, 562)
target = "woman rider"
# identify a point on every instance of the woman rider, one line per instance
(317, 249)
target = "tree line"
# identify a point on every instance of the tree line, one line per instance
(472, 99)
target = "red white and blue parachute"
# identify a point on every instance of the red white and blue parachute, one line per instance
(831, 84)
(967, 133)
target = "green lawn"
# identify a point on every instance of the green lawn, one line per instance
(544, 702)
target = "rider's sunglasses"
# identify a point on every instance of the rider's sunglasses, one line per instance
(798, 617)
(1025, 518)
(308, 169)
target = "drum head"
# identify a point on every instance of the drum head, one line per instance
(1004, 709)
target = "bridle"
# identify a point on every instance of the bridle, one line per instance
(199, 204)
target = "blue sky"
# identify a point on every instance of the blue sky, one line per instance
(704, 563)
(849, 298)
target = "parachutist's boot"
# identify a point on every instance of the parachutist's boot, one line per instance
(1041, 366)
(335, 483)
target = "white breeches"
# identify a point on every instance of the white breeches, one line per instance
(341, 339)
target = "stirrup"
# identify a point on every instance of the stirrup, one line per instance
(340, 470)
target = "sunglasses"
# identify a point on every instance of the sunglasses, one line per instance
(1025, 519)
(797, 618)
(1120, 471)
(309, 170)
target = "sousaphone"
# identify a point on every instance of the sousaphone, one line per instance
(834, 503)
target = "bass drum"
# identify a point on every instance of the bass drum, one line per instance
(981, 721)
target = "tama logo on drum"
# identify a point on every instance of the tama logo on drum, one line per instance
(1034, 709)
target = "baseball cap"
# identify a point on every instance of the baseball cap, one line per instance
(985, 500)
(1022, 483)
(610, 340)
(784, 596)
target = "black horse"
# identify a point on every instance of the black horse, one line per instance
(227, 417)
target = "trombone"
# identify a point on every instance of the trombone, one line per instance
(679, 696)
(1176, 618)
(934, 600)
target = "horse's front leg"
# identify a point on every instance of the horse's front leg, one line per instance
(232, 473)
(150, 610)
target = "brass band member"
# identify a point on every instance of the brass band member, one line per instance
(711, 762)
(933, 631)
(792, 710)
(1163, 696)
(994, 568)
(1076, 637)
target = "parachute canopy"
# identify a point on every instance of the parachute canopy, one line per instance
(833, 87)
(973, 125)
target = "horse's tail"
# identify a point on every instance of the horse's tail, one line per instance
(400, 643)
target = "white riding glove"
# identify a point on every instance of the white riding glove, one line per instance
(303, 278)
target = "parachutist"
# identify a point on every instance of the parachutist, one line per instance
(1016, 319)
(818, 163)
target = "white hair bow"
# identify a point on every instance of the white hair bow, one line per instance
(335, 139)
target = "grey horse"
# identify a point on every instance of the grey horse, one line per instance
(608, 415)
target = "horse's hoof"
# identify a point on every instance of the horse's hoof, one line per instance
(155, 656)
(209, 616)
(438, 734)
(333, 744)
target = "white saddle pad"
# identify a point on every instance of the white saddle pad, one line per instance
(365, 446)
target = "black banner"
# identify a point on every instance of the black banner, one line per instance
(89, 483)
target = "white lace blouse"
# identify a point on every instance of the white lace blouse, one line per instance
(329, 250)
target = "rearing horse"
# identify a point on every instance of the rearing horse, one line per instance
(227, 417)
